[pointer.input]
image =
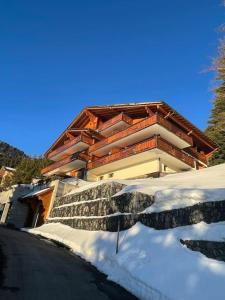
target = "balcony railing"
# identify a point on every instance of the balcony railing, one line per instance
(81, 138)
(155, 119)
(154, 142)
(174, 129)
(115, 120)
(63, 162)
(174, 151)
(199, 156)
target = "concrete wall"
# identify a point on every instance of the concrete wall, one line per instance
(14, 212)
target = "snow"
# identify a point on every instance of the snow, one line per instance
(75, 181)
(89, 217)
(10, 169)
(151, 264)
(175, 190)
(182, 189)
(80, 202)
(89, 185)
(36, 192)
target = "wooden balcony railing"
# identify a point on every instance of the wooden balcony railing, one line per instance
(81, 138)
(63, 162)
(155, 119)
(199, 156)
(115, 120)
(174, 151)
(174, 129)
(154, 142)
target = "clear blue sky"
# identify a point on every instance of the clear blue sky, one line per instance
(58, 56)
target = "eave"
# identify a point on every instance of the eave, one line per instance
(107, 111)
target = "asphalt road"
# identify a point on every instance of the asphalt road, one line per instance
(36, 269)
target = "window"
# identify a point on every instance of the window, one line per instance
(101, 177)
(111, 175)
(165, 168)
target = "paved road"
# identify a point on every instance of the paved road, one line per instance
(35, 269)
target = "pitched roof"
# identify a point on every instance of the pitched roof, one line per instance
(134, 109)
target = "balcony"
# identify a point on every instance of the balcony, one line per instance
(80, 143)
(115, 124)
(154, 125)
(153, 148)
(73, 162)
(199, 156)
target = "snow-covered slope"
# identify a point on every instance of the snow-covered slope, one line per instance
(152, 264)
(176, 190)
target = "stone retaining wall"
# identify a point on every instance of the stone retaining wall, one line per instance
(102, 203)
(105, 223)
(211, 249)
(125, 203)
(105, 190)
(208, 212)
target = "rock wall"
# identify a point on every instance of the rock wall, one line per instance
(105, 190)
(98, 209)
(208, 212)
(106, 223)
(211, 249)
(125, 203)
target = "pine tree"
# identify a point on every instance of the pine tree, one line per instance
(28, 169)
(216, 124)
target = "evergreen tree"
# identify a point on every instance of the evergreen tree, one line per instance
(216, 124)
(28, 169)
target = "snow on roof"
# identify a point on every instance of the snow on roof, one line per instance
(36, 192)
(75, 181)
(10, 169)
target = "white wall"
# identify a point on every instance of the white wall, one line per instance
(134, 171)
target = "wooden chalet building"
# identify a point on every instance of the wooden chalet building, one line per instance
(128, 141)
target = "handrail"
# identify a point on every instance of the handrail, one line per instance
(114, 120)
(155, 119)
(62, 162)
(81, 138)
(154, 142)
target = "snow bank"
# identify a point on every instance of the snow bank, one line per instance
(176, 190)
(151, 264)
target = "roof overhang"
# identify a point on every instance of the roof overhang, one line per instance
(117, 108)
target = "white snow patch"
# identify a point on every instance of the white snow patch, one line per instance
(152, 264)
(80, 202)
(89, 217)
(175, 190)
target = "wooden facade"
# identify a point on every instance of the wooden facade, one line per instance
(106, 139)
(39, 205)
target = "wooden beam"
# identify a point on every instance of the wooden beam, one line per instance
(93, 118)
(69, 136)
(149, 111)
(170, 113)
